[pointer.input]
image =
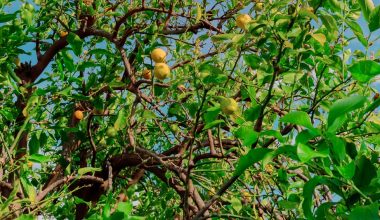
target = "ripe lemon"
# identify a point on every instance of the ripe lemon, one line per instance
(242, 20)
(158, 55)
(161, 71)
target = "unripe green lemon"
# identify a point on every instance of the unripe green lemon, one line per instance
(229, 106)
(111, 132)
(259, 6)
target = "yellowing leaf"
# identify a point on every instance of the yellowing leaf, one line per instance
(199, 14)
(321, 38)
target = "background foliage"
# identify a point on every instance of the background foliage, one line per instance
(303, 144)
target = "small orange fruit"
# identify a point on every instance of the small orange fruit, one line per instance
(78, 114)
(147, 74)
(63, 33)
(88, 2)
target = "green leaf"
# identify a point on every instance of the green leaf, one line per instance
(28, 189)
(26, 217)
(364, 70)
(7, 17)
(338, 147)
(68, 61)
(357, 30)
(106, 211)
(308, 191)
(148, 114)
(208, 68)
(374, 21)
(99, 51)
(7, 114)
(254, 61)
(121, 121)
(330, 24)
(211, 114)
(75, 42)
(367, 7)
(247, 134)
(235, 38)
(303, 12)
(213, 124)
(365, 171)
(253, 156)
(252, 113)
(305, 153)
(336, 5)
(323, 212)
(34, 144)
(236, 204)
(125, 207)
(285, 204)
(347, 171)
(38, 158)
(298, 118)
(371, 107)
(344, 106)
(84, 170)
(273, 133)
(27, 16)
(365, 212)
(215, 78)
(338, 123)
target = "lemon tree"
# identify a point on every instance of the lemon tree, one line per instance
(158, 109)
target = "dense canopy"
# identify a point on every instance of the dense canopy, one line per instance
(181, 109)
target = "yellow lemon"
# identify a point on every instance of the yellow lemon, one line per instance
(161, 71)
(242, 20)
(158, 55)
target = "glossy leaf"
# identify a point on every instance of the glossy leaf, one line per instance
(305, 153)
(298, 118)
(344, 106)
(308, 191)
(364, 70)
(121, 121)
(365, 212)
(367, 7)
(85, 170)
(357, 30)
(247, 134)
(253, 156)
(76, 43)
(374, 22)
